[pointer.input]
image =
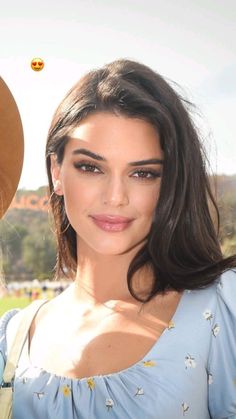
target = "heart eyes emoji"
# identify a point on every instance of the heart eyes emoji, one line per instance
(37, 64)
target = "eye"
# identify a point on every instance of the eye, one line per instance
(147, 174)
(88, 167)
(143, 174)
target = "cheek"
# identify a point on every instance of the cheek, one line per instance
(78, 195)
(146, 201)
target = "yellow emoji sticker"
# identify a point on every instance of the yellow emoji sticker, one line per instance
(37, 64)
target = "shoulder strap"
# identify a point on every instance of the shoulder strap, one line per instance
(19, 340)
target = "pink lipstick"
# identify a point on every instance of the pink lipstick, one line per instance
(111, 223)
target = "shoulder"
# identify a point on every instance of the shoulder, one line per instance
(226, 289)
(8, 328)
(11, 320)
(6, 322)
(225, 297)
(221, 293)
(224, 306)
(222, 355)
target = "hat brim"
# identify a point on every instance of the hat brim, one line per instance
(11, 147)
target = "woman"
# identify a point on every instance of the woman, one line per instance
(147, 329)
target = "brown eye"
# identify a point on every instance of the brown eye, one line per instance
(147, 174)
(88, 167)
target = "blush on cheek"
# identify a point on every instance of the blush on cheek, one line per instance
(147, 202)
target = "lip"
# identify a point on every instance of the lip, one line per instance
(112, 219)
(111, 223)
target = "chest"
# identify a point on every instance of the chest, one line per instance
(98, 345)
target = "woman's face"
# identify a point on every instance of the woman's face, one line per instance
(113, 183)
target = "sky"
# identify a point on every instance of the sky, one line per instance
(189, 42)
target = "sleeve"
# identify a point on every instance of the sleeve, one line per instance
(3, 341)
(222, 357)
(2, 363)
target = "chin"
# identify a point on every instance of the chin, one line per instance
(112, 248)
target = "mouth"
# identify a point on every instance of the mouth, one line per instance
(111, 218)
(112, 223)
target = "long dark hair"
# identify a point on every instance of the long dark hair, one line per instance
(182, 249)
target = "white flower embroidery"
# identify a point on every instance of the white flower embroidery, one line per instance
(190, 362)
(215, 330)
(109, 404)
(207, 315)
(185, 408)
(139, 391)
(210, 379)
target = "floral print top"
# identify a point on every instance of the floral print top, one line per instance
(190, 372)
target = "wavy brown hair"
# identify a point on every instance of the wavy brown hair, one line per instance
(182, 249)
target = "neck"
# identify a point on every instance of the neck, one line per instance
(103, 278)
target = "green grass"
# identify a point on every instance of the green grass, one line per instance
(7, 303)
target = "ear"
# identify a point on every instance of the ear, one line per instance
(56, 175)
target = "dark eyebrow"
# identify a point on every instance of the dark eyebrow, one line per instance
(101, 158)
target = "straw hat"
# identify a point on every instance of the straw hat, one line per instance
(11, 147)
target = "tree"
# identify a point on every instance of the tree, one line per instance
(39, 253)
(11, 237)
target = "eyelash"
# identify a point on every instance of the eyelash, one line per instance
(153, 173)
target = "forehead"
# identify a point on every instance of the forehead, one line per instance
(116, 133)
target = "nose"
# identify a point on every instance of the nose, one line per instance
(115, 193)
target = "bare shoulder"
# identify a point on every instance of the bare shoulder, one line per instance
(163, 306)
(42, 314)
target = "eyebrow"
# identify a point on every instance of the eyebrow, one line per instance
(101, 158)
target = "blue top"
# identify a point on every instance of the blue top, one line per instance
(189, 372)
